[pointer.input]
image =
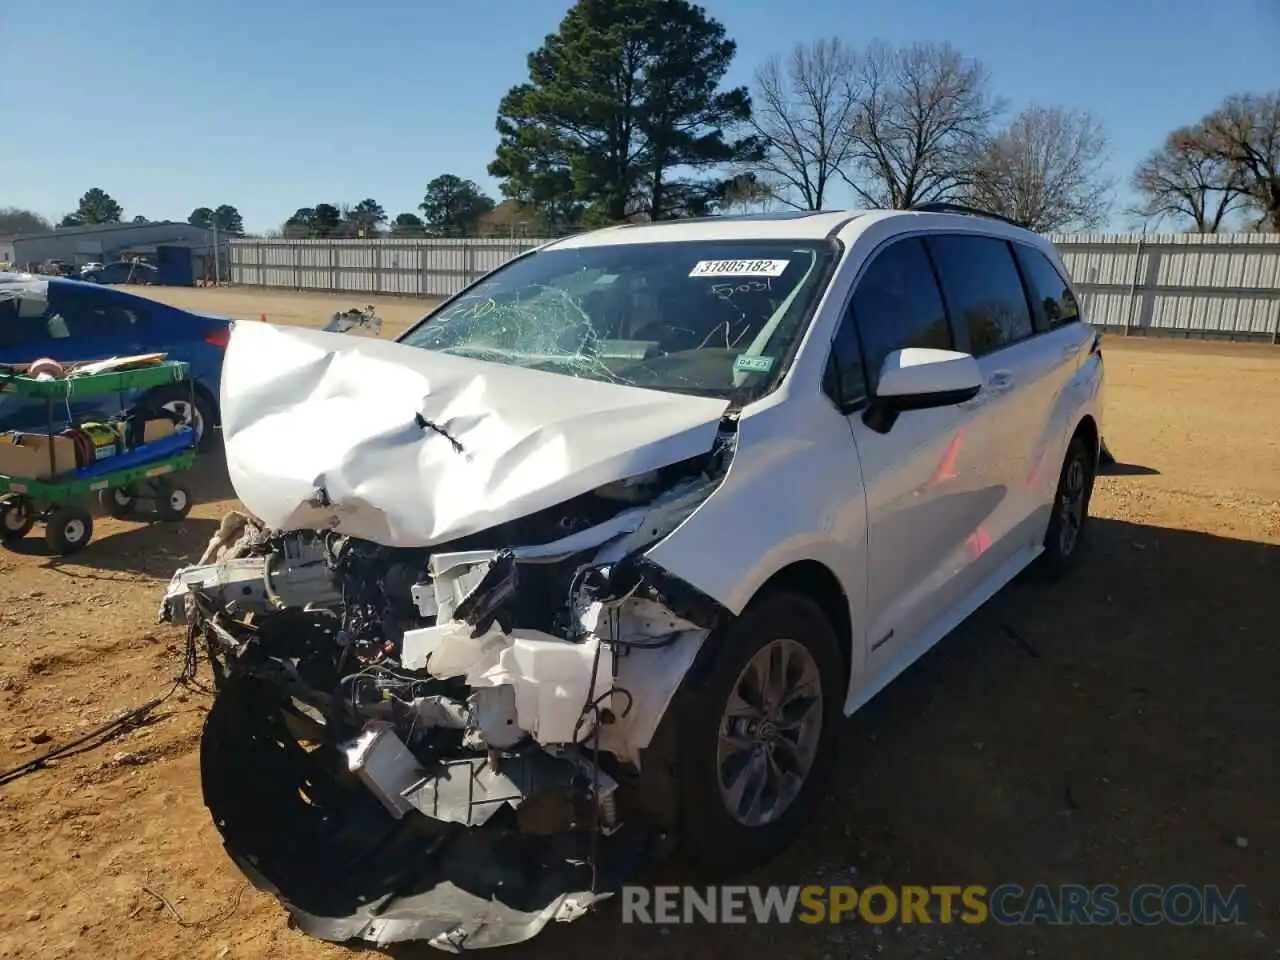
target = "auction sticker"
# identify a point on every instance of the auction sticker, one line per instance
(739, 268)
(752, 363)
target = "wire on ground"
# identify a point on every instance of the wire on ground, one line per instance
(112, 728)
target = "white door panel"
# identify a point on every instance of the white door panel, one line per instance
(1044, 367)
(988, 307)
(1053, 364)
(928, 494)
(928, 482)
(956, 497)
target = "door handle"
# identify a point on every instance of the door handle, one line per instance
(1001, 378)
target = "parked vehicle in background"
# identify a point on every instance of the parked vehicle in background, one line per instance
(602, 550)
(122, 272)
(68, 320)
(55, 267)
(90, 267)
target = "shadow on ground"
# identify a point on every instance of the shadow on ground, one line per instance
(1118, 469)
(208, 480)
(1009, 755)
(152, 549)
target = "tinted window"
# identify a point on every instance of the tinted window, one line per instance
(110, 320)
(28, 321)
(897, 305)
(17, 330)
(844, 380)
(1051, 295)
(78, 316)
(983, 289)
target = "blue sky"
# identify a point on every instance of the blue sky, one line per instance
(272, 105)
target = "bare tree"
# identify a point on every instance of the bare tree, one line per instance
(1187, 181)
(804, 111)
(1245, 132)
(1045, 170)
(924, 115)
(747, 192)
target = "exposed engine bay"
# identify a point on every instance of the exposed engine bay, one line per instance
(449, 743)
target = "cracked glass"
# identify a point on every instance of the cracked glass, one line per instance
(711, 318)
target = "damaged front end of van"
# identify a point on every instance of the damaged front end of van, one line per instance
(442, 653)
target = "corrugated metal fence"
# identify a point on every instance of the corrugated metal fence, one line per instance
(1190, 285)
(1184, 285)
(417, 268)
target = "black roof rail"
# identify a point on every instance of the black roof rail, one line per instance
(938, 206)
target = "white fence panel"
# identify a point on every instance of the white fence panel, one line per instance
(1218, 286)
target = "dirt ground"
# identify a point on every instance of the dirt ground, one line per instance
(305, 309)
(1119, 728)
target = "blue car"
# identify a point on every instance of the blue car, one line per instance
(70, 320)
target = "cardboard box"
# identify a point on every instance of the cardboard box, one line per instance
(27, 455)
(157, 429)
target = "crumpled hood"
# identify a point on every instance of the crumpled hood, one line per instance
(409, 448)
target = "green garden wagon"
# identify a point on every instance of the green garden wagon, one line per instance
(131, 483)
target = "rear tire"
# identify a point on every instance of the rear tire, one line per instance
(1069, 520)
(172, 500)
(190, 405)
(777, 750)
(117, 502)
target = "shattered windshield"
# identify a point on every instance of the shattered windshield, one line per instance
(715, 318)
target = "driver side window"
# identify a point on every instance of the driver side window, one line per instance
(845, 380)
(897, 304)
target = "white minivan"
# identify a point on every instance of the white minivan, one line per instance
(600, 551)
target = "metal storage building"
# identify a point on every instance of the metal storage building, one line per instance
(103, 242)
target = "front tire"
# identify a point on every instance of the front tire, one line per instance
(17, 516)
(1068, 522)
(757, 736)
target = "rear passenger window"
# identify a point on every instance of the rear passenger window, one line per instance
(983, 289)
(1051, 297)
(897, 305)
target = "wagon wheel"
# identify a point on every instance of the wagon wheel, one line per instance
(118, 502)
(17, 518)
(68, 529)
(172, 501)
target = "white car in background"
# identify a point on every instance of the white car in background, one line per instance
(601, 551)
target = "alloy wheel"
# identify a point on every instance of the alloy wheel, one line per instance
(769, 733)
(1071, 506)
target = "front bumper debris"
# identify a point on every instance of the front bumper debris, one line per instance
(446, 744)
(346, 868)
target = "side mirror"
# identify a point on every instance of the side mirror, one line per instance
(920, 378)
